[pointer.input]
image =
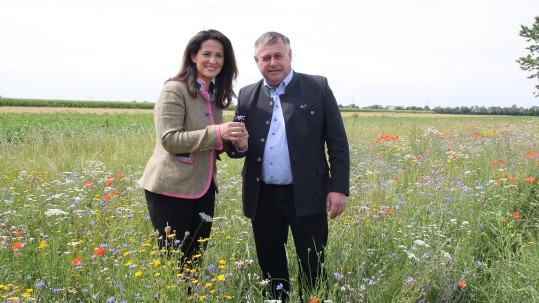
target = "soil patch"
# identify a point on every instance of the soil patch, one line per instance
(48, 110)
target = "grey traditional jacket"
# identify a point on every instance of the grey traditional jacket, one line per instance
(187, 143)
(314, 126)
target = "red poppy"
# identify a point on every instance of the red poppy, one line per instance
(16, 246)
(107, 197)
(529, 180)
(462, 284)
(76, 260)
(17, 233)
(116, 192)
(516, 215)
(99, 251)
(121, 176)
(89, 184)
(109, 183)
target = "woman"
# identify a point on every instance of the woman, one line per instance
(180, 179)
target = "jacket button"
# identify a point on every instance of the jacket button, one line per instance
(259, 159)
(271, 103)
(267, 122)
(257, 180)
(262, 140)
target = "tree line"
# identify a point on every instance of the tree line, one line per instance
(460, 110)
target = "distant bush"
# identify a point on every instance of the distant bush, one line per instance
(74, 103)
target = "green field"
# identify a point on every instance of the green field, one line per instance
(442, 209)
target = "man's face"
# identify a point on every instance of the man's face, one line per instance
(274, 62)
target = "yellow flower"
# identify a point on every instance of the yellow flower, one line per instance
(42, 244)
(138, 274)
(221, 277)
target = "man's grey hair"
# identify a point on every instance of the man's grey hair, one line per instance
(271, 38)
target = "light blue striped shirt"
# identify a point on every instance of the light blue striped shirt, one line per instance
(276, 167)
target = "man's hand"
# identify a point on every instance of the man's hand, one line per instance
(335, 204)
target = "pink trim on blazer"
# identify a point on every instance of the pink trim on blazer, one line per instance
(189, 159)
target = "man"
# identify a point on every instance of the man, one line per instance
(287, 182)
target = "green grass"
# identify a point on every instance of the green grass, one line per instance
(435, 203)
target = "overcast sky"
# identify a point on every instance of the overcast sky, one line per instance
(384, 52)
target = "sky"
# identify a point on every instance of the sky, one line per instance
(432, 53)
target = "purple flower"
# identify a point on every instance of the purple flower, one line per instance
(239, 118)
(280, 286)
(409, 281)
(303, 106)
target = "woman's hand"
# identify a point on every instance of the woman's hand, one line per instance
(236, 133)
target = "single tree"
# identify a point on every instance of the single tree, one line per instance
(530, 63)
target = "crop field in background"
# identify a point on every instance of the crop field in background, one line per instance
(442, 209)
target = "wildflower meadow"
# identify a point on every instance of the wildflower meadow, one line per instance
(441, 209)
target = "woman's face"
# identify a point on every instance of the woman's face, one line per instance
(209, 60)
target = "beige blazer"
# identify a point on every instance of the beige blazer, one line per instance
(187, 142)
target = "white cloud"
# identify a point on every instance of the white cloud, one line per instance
(388, 52)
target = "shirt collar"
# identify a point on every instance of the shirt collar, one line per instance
(201, 85)
(280, 89)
